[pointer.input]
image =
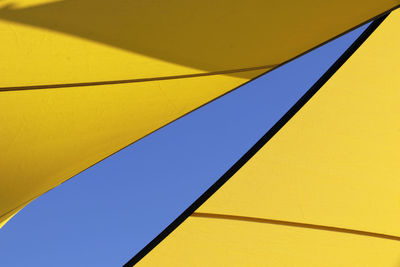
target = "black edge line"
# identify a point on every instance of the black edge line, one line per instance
(260, 143)
(113, 82)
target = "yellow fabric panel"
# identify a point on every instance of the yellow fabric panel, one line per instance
(216, 242)
(70, 41)
(334, 164)
(337, 161)
(49, 135)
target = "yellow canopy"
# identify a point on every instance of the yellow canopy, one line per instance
(324, 191)
(82, 79)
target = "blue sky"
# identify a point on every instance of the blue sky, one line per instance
(106, 214)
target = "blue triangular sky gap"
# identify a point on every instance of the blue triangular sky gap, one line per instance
(111, 211)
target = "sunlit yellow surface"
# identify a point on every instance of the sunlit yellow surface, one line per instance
(202, 242)
(335, 163)
(19, 4)
(49, 135)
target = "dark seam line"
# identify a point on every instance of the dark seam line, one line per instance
(260, 143)
(272, 67)
(294, 224)
(162, 78)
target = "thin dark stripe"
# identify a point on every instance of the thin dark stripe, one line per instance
(294, 224)
(162, 78)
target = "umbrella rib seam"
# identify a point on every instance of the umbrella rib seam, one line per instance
(112, 82)
(294, 224)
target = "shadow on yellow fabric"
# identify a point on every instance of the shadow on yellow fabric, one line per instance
(208, 36)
